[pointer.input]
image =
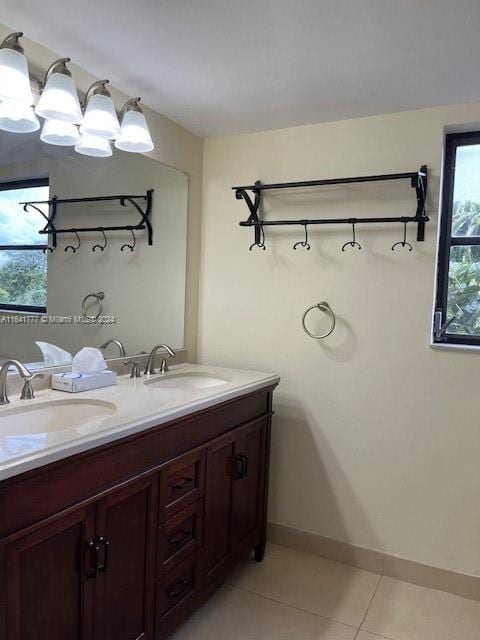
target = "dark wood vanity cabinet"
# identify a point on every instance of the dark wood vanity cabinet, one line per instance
(125, 541)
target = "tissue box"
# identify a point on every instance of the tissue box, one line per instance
(75, 382)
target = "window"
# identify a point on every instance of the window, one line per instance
(23, 264)
(457, 309)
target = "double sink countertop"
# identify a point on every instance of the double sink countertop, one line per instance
(57, 424)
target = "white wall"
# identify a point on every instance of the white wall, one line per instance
(174, 146)
(376, 439)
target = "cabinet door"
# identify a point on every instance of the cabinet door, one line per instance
(48, 595)
(124, 587)
(217, 549)
(248, 489)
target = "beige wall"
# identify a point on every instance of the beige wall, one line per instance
(376, 438)
(174, 146)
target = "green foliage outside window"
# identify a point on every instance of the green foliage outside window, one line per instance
(23, 278)
(464, 272)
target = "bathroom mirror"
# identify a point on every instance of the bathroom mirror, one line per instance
(41, 291)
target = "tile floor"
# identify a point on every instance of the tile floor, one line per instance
(297, 596)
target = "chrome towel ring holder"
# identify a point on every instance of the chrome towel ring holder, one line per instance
(325, 307)
(98, 297)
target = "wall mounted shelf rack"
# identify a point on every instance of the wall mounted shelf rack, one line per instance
(418, 181)
(54, 204)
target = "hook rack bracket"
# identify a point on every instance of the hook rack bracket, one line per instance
(418, 180)
(53, 204)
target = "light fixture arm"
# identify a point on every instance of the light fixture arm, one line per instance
(131, 105)
(12, 42)
(97, 87)
(59, 66)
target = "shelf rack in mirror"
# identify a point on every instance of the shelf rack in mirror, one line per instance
(53, 209)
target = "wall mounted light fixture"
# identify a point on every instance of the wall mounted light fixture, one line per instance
(134, 134)
(100, 116)
(95, 146)
(63, 134)
(16, 111)
(14, 77)
(59, 99)
(59, 105)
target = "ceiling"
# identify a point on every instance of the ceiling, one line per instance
(232, 66)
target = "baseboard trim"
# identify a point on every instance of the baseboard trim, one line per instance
(425, 575)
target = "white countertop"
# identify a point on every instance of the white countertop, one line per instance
(133, 406)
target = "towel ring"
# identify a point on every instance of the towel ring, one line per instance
(325, 307)
(98, 297)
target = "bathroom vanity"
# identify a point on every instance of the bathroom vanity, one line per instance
(121, 532)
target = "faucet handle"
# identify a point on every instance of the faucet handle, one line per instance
(27, 389)
(135, 372)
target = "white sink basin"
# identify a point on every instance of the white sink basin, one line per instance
(192, 380)
(52, 417)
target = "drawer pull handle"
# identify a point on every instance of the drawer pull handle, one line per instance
(94, 548)
(184, 585)
(185, 535)
(245, 464)
(181, 485)
(94, 545)
(241, 466)
(106, 544)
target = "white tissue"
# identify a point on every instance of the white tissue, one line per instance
(88, 360)
(53, 356)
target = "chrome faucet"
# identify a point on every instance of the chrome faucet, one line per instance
(150, 368)
(135, 371)
(25, 374)
(119, 344)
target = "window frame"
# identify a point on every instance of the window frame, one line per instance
(10, 185)
(446, 241)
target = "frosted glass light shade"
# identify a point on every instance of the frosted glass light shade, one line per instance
(95, 146)
(59, 100)
(18, 117)
(100, 118)
(14, 78)
(63, 134)
(134, 133)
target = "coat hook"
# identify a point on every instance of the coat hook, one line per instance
(70, 246)
(261, 242)
(305, 244)
(403, 242)
(352, 243)
(101, 246)
(129, 246)
(48, 249)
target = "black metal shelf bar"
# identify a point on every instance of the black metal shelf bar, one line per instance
(137, 227)
(22, 247)
(278, 223)
(89, 199)
(329, 181)
(418, 181)
(51, 229)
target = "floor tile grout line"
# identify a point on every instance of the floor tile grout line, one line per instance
(285, 604)
(369, 606)
(371, 633)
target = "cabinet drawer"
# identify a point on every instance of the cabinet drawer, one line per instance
(176, 594)
(181, 483)
(179, 537)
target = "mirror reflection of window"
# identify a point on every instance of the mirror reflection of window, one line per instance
(23, 264)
